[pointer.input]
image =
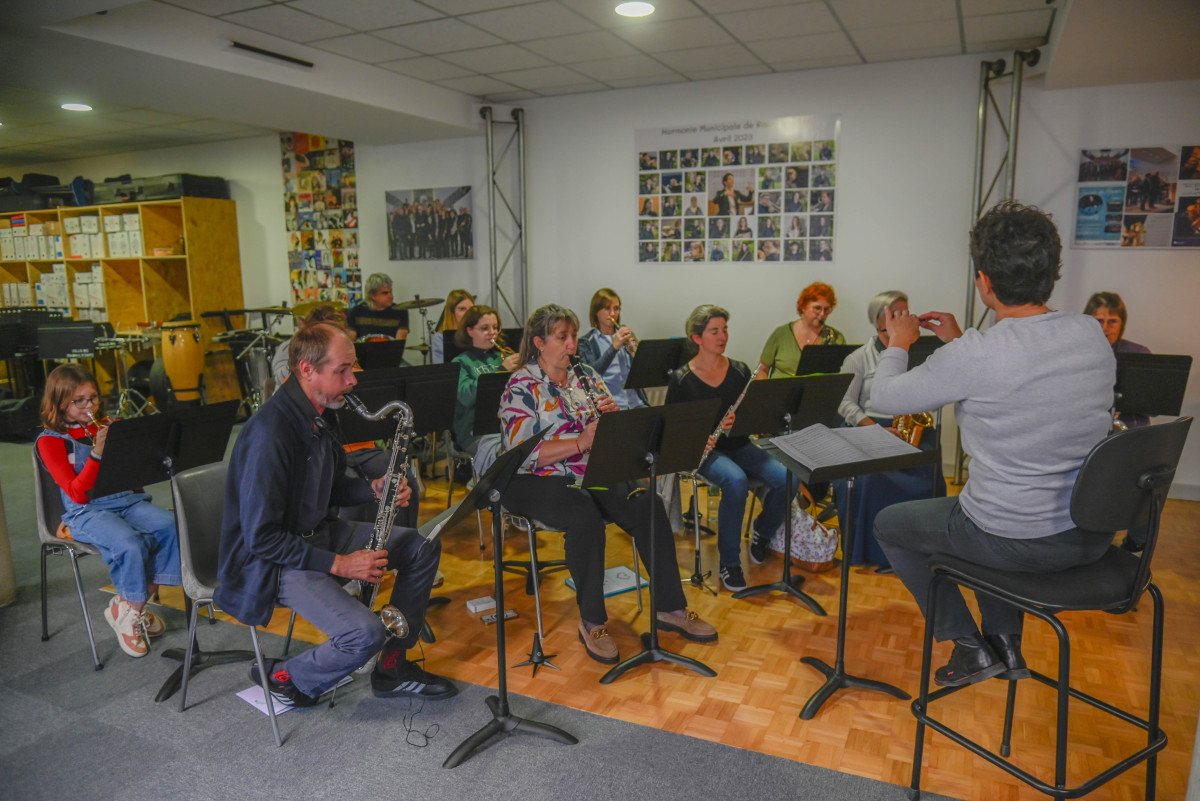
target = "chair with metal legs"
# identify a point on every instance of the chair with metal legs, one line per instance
(1122, 485)
(199, 503)
(48, 506)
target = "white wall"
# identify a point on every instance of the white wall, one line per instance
(904, 178)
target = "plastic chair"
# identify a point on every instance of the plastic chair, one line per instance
(199, 504)
(1122, 484)
(49, 511)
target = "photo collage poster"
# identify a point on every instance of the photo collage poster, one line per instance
(321, 216)
(749, 190)
(429, 224)
(1138, 197)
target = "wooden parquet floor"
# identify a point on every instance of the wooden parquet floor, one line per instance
(761, 685)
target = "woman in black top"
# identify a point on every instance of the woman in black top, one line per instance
(711, 374)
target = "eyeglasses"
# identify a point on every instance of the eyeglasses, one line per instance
(83, 403)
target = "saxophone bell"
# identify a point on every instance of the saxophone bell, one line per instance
(910, 427)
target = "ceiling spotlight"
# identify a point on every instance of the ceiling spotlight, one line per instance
(76, 107)
(635, 9)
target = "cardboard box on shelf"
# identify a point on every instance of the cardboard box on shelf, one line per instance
(96, 293)
(135, 242)
(81, 246)
(97, 246)
(118, 245)
(71, 225)
(112, 222)
(131, 221)
(89, 224)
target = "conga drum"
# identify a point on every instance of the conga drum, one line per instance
(183, 359)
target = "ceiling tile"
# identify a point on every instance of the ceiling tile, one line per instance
(817, 63)
(708, 58)
(612, 69)
(535, 21)
(477, 85)
(575, 89)
(364, 47)
(874, 14)
(427, 69)
(645, 80)
(973, 8)
(148, 116)
(496, 59)
(602, 13)
(799, 48)
(908, 55)
(773, 23)
(287, 23)
(10, 136)
(540, 77)
(657, 37)
(367, 15)
(471, 6)
(728, 72)
(942, 33)
(733, 6)
(508, 97)
(215, 8)
(1000, 27)
(1006, 44)
(580, 47)
(438, 36)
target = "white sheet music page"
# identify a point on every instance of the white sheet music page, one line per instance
(819, 446)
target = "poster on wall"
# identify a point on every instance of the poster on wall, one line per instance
(321, 217)
(429, 224)
(1138, 197)
(747, 190)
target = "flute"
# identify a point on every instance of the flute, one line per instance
(719, 431)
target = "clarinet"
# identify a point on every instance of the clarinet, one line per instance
(391, 617)
(586, 381)
(719, 431)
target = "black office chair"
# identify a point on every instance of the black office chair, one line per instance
(48, 505)
(199, 504)
(1123, 484)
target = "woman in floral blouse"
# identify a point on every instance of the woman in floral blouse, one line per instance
(543, 393)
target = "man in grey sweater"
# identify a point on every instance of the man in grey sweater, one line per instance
(1032, 396)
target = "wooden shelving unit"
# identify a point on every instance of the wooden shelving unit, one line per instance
(188, 262)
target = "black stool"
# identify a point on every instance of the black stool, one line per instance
(1122, 484)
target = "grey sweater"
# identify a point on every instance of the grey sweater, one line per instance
(1032, 397)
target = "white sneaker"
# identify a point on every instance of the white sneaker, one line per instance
(125, 621)
(155, 625)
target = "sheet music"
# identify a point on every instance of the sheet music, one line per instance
(819, 446)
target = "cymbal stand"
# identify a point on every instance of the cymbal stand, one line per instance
(426, 328)
(130, 402)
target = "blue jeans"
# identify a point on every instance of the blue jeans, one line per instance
(136, 539)
(729, 470)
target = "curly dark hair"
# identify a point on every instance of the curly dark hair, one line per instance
(1018, 249)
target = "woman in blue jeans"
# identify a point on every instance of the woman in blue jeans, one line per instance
(733, 460)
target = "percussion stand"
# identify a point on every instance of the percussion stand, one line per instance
(487, 493)
(426, 330)
(253, 398)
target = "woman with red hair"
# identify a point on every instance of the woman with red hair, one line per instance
(781, 354)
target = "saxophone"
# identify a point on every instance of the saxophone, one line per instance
(911, 426)
(391, 617)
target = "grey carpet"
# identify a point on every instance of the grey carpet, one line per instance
(71, 732)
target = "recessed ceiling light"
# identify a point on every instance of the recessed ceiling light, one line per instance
(76, 107)
(635, 9)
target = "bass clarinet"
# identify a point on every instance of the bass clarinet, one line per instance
(391, 617)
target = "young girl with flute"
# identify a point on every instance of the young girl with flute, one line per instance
(136, 539)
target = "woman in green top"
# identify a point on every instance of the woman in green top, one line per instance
(781, 354)
(477, 336)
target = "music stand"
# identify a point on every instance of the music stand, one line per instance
(431, 391)
(1151, 384)
(823, 358)
(377, 355)
(488, 393)
(450, 347)
(836, 676)
(785, 404)
(487, 493)
(66, 339)
(637, 443)
(654, 361)
(922, 349)
(146, 450)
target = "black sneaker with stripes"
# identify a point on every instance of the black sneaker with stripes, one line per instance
(405, 678)
(279, 683)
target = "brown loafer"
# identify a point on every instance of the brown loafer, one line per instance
(817, 567)
(599, 643)
(687, 623)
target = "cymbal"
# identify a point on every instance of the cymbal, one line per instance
(420, 347)
(417, 303)
(306, 308)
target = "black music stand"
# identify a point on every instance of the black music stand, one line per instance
(1151, 383)
(66, 339)
(487, 493)
(785, 404)
(488, 393)
(836, 676)
(638, 443)
(823, 358)
(146, 450)
(654, 361)
(922, 349)
(378, 355)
